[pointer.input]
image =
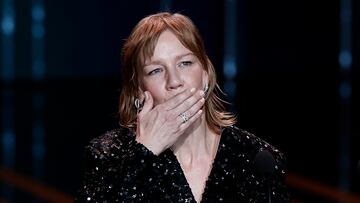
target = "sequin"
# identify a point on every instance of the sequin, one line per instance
(121, 170)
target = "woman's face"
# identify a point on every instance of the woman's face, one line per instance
(172, 69)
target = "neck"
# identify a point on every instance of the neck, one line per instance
(197, 145)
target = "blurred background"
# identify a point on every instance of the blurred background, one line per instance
(289, 68)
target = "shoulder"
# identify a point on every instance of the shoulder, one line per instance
(249, 143)
(110, 141)
(252, 159)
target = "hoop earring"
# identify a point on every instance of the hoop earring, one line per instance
(138, 105)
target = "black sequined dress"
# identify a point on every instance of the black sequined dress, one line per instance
(121, 170)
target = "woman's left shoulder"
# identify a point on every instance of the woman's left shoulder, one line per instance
(248, 142)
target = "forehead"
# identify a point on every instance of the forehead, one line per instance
(168, 46)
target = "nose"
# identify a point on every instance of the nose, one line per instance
(174, 80)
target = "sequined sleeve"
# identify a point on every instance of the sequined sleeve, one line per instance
(279, 190)
(116, 165)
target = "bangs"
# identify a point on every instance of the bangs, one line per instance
(149, 29)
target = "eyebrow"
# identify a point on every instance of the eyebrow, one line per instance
(157, 62)
(183, 55)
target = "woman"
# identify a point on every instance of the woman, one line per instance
(176, 143)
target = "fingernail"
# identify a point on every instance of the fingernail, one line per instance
(202, 93)
(192, 89)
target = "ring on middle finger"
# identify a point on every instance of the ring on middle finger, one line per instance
(184, 117)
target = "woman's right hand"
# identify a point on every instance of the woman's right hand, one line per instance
(159, 127)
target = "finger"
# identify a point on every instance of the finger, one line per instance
(191, 120)
(148, 104)
(188, 103)
(192, 111)
(179, 98)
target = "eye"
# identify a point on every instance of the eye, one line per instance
(185, 63)
(155, 71)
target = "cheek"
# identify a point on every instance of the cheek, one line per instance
(195, 79)
(156, 90)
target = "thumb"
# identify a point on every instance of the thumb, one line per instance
(148, 104)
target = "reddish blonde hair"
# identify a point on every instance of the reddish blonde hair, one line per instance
(140, 46)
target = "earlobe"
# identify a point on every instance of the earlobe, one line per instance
(205, 77)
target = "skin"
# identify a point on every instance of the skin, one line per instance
(173, 79)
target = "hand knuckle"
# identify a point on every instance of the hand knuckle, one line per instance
(173, 125)
(170, 116)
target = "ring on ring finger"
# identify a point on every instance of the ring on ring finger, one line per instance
(184, 117)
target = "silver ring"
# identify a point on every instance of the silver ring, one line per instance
(184, 117)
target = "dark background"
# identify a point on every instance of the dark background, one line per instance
(287, 83)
